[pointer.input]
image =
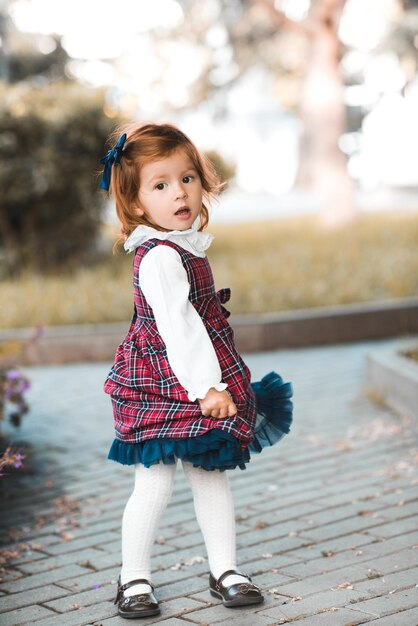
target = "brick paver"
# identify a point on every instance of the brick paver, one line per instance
(327, 520)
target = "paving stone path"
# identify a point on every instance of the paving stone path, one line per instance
(327, 519)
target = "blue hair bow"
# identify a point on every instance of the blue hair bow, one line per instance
(113, 156)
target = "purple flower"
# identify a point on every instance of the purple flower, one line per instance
(22, 385)
(13, 385)
(13, 374)
(8, 392)
(11, 457)
(18, 460)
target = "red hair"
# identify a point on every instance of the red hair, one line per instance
(146, 143)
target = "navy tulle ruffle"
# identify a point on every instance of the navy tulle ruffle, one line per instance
(217, 449)
(274, 411)
(212, 450)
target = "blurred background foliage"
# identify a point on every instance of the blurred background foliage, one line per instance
(50, 140)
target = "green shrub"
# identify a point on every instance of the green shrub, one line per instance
(51, 137)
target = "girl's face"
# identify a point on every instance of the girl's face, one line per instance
(170, 194)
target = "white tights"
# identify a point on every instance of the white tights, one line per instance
(214, 509)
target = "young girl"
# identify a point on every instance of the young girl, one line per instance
(179, 389)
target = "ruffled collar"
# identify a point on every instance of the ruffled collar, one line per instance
(198, 240)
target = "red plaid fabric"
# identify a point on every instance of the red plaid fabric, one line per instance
(148, 400)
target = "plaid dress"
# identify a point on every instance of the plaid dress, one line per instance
(148, 401)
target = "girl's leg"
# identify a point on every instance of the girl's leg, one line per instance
(215, 514)
(151, 494)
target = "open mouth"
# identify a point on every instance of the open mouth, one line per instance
(184, 211)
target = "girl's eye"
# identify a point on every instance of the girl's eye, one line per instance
(189, 177)
(160, 186)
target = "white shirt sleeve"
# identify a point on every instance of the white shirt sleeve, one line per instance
(164, 283)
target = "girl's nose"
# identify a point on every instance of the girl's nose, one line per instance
(181, 192)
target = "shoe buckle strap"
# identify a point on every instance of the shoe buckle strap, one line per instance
(229, 572)
(131, 583)
(232, 572)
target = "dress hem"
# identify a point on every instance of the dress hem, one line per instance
(213, 450)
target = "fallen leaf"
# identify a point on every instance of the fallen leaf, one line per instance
(261, 524)
(274, 590)
(327, 553)
(195, 559)
(345, 585)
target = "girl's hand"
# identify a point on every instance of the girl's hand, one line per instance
(218, 404)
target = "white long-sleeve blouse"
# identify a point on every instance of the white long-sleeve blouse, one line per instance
(164, 283)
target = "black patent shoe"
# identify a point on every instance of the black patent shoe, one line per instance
(239, 594)
(141, 605)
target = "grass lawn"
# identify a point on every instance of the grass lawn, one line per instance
(270, 266)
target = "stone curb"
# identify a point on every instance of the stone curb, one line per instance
(253, 333)
(393, 380)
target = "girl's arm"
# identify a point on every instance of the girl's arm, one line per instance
(165, 285)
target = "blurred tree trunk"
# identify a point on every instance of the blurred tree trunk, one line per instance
(322, 111)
